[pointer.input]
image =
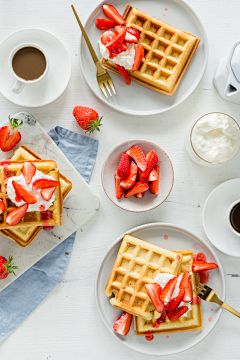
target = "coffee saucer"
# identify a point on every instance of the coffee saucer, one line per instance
(56, 80)
(215, 217)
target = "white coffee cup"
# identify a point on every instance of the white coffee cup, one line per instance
(20, 82)
(229, 220)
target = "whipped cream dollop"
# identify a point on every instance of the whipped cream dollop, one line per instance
(216, 138)
(163, 278)
(125, 58)
(21, 180)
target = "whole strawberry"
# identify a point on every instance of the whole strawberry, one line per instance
(6, 267)
(9, 135)
(87, 118)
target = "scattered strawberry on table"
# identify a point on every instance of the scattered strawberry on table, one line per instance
(87, 118)
(137, 173)
(6, 267)
(116, 41)
(123, 323)
(9, 135)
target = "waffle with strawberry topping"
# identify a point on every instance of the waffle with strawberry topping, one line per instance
(137, 264)
(160, 322)
(167, 52)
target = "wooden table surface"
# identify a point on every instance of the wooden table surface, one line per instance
(67, 325)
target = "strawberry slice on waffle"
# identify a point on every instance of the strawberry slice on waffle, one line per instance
(27, 196)
(28, 171)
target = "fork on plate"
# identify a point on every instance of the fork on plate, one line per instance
(103, 78)
(208, 294)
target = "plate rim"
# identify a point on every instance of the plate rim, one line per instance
(69, 65)
(149, 112)
(152, 225)
(203, 220)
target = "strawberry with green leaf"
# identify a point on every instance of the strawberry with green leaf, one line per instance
(87, 118)
(9, 135)
(6, 267)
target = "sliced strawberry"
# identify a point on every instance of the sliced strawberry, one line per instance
(44, 183)
(140, 195)
(152, 161)
(9, 135)
(198, 266)
(204, 277)
(124, 73)
(48, 227)
(154, 291)
(175, 302)
(123, 170)
(119, 188)
(104, 24)
(186, 285)
(153, 175)
(117, 44)
(196, 300)
(123, 323)
(154, 185)
(2, 206)
(24, 194)
(132, 177)
(177, 313)
(28, 171)
(46, 215)
(17, 197)
(107, 37)
(14, 217)
(140, 186)
(139, 53)
(168, 289)
(113, 14)
(132, 35)
(200, 257)
(47, 193)
(160, 320)
(138, 156)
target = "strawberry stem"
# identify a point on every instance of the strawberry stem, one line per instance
(94, 125)
(14, 123)
(9, 266)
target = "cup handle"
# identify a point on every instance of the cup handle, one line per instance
(17, 87)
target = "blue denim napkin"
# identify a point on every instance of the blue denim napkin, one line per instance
(20, 298)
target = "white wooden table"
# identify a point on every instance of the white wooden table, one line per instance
(66, 325)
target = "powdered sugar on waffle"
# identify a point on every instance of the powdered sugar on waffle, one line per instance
(21, 180)
(125, 58)
(163, 278)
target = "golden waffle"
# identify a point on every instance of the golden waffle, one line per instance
(23, 236)
(137, 264)
(167, 52)
(193, 320)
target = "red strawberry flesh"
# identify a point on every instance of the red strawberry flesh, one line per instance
(175, 302)
(131, 179)
(138, 156)
(117, 44)
(124, 73)
(28, 171)
(177, 313)
(198, 266)
(47, 193)
(139, 53)
(123, 323)
(113, 14)
(168, 289)
(140, 186)
(27, 196)
(9, 135)
(123, 170)
(44, 183)
(186, 285)
(2, 206)
(107, 37)
(154, 185)
(15, 216)
(152, 161)
(104, 24)
(160, 320)
(119, 188)
(154, 291)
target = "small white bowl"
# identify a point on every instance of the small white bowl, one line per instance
(149, 201)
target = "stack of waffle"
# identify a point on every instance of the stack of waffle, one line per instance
(31, 224)
(167, 52)
(137, 264)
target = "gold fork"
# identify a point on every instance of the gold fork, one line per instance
(208, 294)
(102, 76)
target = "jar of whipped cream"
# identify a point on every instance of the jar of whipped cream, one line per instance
(213, 139)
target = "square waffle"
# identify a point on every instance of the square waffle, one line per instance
(167, 52)
(137, 264)
(193, 320)
(23, 236)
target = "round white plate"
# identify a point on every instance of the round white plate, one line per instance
(178, 238)
(137, 99)
(56, 79)
(215, 217)
(149, 201)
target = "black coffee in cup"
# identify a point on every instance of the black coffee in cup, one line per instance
(235, 217)
(29, 63)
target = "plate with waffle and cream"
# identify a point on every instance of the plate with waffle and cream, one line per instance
(43, 199)
(159, 48)
(145, 289)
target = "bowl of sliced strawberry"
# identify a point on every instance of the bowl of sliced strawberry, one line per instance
(137, 175)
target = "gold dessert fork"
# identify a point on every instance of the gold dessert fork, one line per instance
(102, 76)
(208, 294)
